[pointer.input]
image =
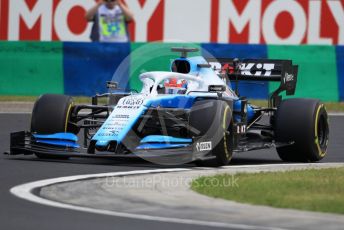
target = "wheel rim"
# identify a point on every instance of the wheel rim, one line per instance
(322, 133)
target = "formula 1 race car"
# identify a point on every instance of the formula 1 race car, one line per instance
(190, 114)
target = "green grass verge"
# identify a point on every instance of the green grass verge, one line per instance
(312, 190)
(331, 106)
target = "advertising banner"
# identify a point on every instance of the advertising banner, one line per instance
(316, 22)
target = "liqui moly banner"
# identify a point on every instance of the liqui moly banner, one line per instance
(296, 22)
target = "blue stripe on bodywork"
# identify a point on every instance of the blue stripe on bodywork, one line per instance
(165, 139)
(58, 136)
(160, 146)
(259, 90)
(60, 143)
(173, 101)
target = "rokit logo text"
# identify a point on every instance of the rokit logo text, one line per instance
(260, 69)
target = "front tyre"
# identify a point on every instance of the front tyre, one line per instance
(50, 115)
(303, 122)
(213, 119)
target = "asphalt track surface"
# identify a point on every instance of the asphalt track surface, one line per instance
(20, 214)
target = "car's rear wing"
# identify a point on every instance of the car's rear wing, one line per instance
(259, 70)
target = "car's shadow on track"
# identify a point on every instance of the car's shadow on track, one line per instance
(250, 161)
(137, 162)
(99, 162)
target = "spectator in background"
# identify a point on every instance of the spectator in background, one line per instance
(110, 19)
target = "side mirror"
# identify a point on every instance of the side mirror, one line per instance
(112, 85)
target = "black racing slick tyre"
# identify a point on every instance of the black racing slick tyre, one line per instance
(211, 120)
(51, 114)
(304, 123)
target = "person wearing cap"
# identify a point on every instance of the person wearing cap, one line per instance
(110, 19)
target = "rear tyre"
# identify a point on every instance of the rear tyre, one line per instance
(212, 118)
(305, 123)
(51, 114)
